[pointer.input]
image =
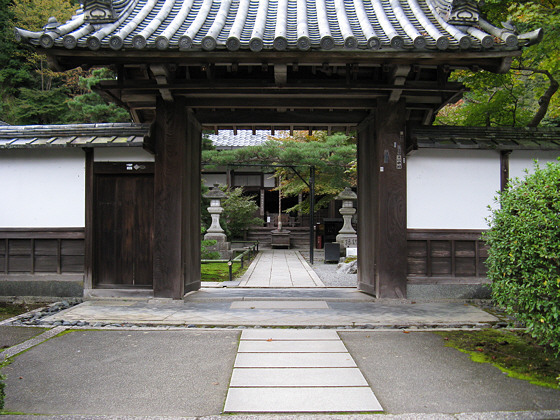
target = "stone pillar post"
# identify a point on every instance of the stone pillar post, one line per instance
(215, 231)
(347, 237)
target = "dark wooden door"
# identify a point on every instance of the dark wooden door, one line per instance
(123, 230)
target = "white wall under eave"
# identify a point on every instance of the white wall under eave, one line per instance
(122, 154)
(42, 188)
(519, 160)
(451, 189)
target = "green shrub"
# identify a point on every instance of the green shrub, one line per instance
(239, 213)
(205, 253)
(524, 255)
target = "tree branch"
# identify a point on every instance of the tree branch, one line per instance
(544, 100)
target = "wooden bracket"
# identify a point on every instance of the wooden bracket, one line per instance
(398, 77)
(162, 74)
(281, 74)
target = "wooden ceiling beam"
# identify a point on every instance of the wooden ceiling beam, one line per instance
(261, 102)
(225, 86)
(270, 117)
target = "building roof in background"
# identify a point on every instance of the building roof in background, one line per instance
(107, 135)
(497, 138)
(130, 134)
(278, 25)
(243, 138)
(72, 135)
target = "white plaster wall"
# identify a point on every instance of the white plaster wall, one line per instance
(42, 188)
(451, 189)
(122, 154)
(519, 160)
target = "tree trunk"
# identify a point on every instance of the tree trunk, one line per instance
(544, 101)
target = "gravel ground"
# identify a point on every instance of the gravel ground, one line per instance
(327, 272)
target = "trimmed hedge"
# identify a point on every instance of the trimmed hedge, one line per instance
(524, 254)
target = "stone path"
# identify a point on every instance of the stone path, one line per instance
(299, 307)
(274, 307)
(280, 371)
(278, 269)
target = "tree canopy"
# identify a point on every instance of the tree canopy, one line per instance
(333, 158)
(30, 92)
(527, 94)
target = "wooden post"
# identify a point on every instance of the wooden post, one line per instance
(382, 243)
(177, 200)
(504, 168)
(88, 231)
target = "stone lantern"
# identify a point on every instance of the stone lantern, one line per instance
(347, 237)
(215, 231)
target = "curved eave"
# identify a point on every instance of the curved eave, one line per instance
(276, 26)
(496, 61)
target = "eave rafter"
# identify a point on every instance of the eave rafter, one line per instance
(281, 88)
(493, 61)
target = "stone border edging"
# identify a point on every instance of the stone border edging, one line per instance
(18, 348)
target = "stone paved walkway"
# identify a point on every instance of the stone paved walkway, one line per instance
(318, 307)
(280, 268)
(280, 371)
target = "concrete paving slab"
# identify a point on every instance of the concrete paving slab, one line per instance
(124, 373)
(416, 373)
(292, 360)
(297, 346)
(289, 334)
(297, 377)
(284, 400)
(276, 304)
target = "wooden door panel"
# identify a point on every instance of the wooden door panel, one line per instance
(123, 221)
(104, 228)
(144, 232)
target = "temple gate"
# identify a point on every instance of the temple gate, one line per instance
(378, 66)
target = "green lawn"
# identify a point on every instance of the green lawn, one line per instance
(513, 352)
(220, 271)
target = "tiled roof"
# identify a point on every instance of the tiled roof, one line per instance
(243, 138)
(128, 134)
(72, 135)
(496, 138)
(279, 25)
(109, 134)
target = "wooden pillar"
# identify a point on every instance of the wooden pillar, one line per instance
(504, 168)
(382, 247)
(177, 200)
(89, 231)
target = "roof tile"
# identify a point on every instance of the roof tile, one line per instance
(276, 25)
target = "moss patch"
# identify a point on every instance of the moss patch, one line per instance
(513, 352)
(9, 310)
(220, 271)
